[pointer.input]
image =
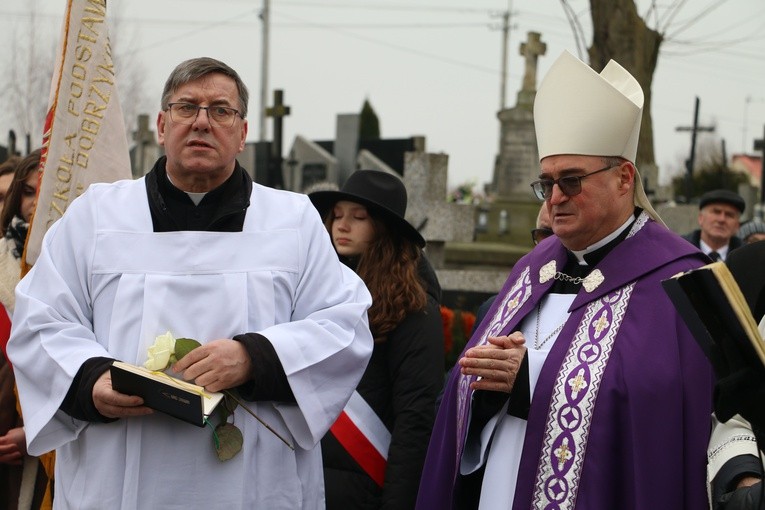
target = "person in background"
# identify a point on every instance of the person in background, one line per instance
(719, 215)
(23, 479)
(735, 465)
(6, 176)
(197, 249)
(752, 231)
(582, 388)
(393, 405)
(543, 228)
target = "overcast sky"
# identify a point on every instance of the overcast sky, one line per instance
(432, 67)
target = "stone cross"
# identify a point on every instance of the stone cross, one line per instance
(532, 49)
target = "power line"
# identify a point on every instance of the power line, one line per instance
(384, 7)
(714, 4)
(404, 49)
(205, 27)
(382, 25)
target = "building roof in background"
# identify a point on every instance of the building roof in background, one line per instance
(750, 164)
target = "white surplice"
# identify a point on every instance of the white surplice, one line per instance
(501, 441)
(107, 285)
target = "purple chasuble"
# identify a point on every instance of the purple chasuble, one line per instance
(620, 416)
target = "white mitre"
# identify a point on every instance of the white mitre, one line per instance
(578, 111)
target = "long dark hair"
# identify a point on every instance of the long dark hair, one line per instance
(388, 267)
(12, 205)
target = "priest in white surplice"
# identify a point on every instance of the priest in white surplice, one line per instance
(197, 249)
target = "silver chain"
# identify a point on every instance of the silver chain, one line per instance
(576, 280)
(538, 345)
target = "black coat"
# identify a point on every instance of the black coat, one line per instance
(400, 383)
(746, 265)
(695, 239)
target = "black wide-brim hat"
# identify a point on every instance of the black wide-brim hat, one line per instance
(383, 193)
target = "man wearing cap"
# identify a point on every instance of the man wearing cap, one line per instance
(719, 214)
(582, 387)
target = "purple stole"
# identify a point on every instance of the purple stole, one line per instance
(573, 401)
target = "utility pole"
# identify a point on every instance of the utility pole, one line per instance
(505, 42)
(760, 145)
(503, 65)
(690, 161)
(265, 16)
(723, 164)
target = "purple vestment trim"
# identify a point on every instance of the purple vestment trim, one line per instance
(574, 395)
(518, 294)
(573, 402)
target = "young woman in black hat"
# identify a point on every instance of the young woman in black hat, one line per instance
(374, 453)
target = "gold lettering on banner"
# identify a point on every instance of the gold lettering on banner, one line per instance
(90, 76)
(82, 53)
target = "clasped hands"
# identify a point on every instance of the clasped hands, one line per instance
(217, 365)
(496, 363)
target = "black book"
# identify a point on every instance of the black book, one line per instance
(711, 303)
(178, 398)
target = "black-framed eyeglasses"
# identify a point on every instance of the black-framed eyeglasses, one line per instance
(570, 185)
(186, 113)
(540, 234)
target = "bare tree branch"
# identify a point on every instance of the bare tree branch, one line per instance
(576, 29)
(671, 12)
(25, 86)
(700, 15)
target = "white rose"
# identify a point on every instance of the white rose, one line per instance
(160, 352)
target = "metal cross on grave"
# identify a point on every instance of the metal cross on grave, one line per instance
(277, 111)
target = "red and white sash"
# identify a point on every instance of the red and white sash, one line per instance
(5, 330)
(364, 436)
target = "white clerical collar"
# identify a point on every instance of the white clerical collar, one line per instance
(195, 197)
(579, 254)
(722, 252)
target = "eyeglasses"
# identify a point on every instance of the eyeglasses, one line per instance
(186, 113)
(540, 234)
(570, 185)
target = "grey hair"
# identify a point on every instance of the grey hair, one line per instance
(613, 160)
(196, 68)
